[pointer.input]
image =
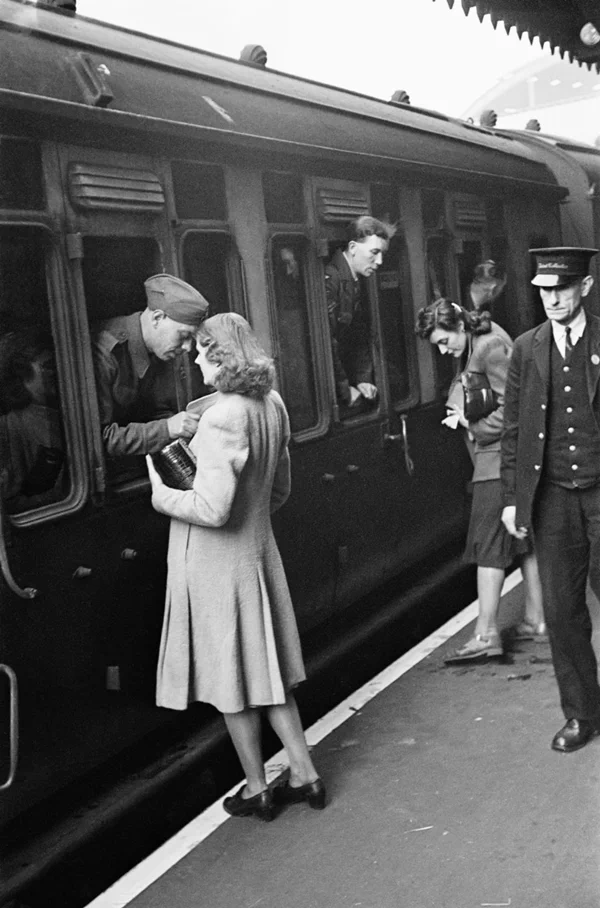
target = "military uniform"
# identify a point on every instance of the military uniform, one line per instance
(128, 380)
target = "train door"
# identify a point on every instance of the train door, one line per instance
(45, 484)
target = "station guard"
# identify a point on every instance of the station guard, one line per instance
(551, 473)
(128, 351)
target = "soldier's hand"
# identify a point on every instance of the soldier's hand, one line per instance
(368, 391)
(183, 425)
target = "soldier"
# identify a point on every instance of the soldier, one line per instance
(550, 474)
(128, 351)
(368, 240)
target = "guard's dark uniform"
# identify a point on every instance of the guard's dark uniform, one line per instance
(130, 383)
(349, 326)
(551, 473)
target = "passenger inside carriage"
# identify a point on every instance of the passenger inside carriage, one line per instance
(128, 352)
(348, 310)
(32, 470)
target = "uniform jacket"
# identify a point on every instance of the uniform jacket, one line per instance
(349, 326)
(127, 382)
(526, 411)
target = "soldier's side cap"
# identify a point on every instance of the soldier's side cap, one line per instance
(177, 299)
(558, 265)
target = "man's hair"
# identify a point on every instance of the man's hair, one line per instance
(364, 226)
(244, 367)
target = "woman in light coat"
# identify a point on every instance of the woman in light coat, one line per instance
(229, 634)
(479, 345)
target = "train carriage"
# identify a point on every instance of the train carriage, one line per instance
(122, 156)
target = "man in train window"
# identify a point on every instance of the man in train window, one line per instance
(348, 309)
(551, 474)
(128, 351)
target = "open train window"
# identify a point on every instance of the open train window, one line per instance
(211, 264)
(21, 184)
(295, 360)
(438, 262)
(34, 469)
(129, 392)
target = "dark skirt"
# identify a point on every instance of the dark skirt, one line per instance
(488, 542)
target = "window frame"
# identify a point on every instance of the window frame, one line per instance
(317, 326)
(63, 324)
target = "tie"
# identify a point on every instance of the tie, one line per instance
(568, 344)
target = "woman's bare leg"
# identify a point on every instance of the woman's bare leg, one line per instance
(286, 723)
(489, 587)
(244, 729)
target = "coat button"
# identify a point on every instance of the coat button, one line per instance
(537, 467)
(543, 406)
(541, 435)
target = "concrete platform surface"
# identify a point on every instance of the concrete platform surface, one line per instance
(443, 793)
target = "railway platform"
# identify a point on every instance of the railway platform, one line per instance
(443, 792)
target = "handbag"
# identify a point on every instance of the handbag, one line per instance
(480, 399)
(176, 465)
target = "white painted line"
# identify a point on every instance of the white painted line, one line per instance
(160, 861)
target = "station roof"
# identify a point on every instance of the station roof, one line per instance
(558, 22)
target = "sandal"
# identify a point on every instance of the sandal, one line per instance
(527, 630)
(477, 649)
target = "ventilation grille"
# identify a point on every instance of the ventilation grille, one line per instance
(114, 188)
(342, 205)
(469, 213)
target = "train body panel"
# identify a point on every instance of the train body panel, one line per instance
(98, 193)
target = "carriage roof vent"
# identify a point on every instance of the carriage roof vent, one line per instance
(68, 6)
(400, 97)
(255, 54)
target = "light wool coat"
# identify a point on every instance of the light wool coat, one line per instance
(229, 635)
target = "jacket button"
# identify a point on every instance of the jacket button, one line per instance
(537, 467)
(541, 435)
(543, 406)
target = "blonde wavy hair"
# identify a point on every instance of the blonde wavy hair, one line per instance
(230, 343)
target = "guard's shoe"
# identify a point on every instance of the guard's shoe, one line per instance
(477, 649)
(260, 805)
(313, 793)
(574, 735)
(527, 630)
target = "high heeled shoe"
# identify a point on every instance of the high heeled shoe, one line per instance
(313, 793)
(261, 805)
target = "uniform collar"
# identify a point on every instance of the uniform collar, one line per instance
(137, 348)
(577, 327)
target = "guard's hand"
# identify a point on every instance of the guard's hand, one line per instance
(509, 515)
(368, 391)
(183, 425)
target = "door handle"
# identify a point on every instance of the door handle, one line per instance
(13, 725)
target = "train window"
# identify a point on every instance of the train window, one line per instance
(114, 271)
(211, 266)
(393, 284)
(296, 365)
(385, 203)
(33, 451)
(437, 271)
(199, 191)
(284, 198)
(20, 175)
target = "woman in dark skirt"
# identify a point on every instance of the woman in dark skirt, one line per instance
(479, 345)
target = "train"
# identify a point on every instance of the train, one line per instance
(121, 156)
